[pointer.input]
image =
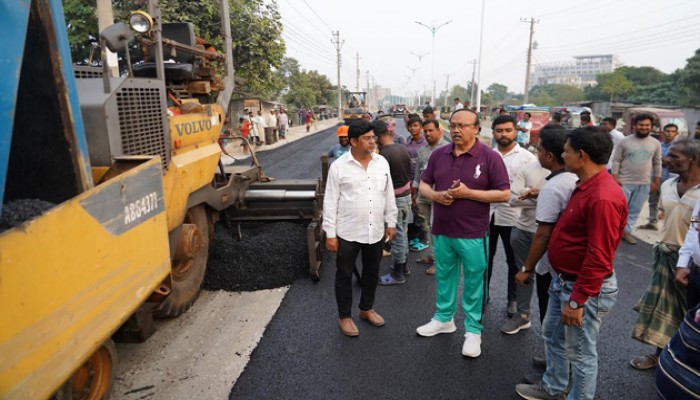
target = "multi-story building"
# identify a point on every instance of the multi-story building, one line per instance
(580, 73)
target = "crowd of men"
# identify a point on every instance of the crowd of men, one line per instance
(560, 215)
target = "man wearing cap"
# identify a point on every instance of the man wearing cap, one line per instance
(358, 204)
(462, 179)
(343, 145)
(400, 166)
(586, 118)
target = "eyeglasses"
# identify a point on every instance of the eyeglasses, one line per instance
(454, 127)
(369, 138)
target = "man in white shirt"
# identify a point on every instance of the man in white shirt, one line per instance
(457, 105)
(687, 271)
(608, 125)
(524, 128)
(271, 120)
(359, 201)
(260, 125)
(503, 216)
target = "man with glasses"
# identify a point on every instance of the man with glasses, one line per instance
(462, 179)
(358, 203)
(662, 307)
(581, 252)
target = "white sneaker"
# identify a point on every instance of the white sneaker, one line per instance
(434, 327)
(472, 345)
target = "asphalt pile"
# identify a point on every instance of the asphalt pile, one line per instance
(269, 255)
(16, 212)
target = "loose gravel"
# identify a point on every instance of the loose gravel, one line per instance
(16, 212)
(269, 255)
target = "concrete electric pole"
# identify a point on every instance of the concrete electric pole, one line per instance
(338, 45)
(471, 95)
(532, 22)
(357, 84)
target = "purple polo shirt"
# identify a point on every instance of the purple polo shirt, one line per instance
(480, 168)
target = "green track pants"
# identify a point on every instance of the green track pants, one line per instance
(450, 254)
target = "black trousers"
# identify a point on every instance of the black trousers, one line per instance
(693, 291)
(503, 232)
(543, 282)
(345, 263)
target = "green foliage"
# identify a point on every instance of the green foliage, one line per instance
(498, 92)
(690, 80)
(614, 84)
(643, 76)
(555, 95)
(256, 30)
(305, 88)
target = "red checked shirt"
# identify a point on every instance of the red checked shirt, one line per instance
(588, 233)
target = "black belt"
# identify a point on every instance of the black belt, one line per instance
(572, 278)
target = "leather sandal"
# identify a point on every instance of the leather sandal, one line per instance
(431, 270)
(427, 260)
(644, 363)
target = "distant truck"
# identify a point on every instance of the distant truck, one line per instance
(662, 117)
(399, 110)
(323, 111)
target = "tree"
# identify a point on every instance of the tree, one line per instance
(614, 83)
(643, 76)
(690, 80)
(498, 92)
(555, 94)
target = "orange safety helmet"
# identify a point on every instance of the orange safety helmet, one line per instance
(343, 130)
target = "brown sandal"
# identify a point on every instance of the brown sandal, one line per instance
(644, 363)
(426, 260)
(431, 270)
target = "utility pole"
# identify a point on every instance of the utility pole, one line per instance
(532, 22)
(105, 18)
(447, 88)
(357, 84)
(471, 95)
(338, 45)
(433, 29)
(481, 52)
(369, 91)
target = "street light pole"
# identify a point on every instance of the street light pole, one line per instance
(433, 29)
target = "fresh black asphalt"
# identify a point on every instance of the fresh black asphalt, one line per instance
(303, 354)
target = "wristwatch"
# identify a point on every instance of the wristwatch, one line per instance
(574, 305)
(524, 269)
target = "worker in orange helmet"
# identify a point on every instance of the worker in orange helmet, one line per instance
(343, 145)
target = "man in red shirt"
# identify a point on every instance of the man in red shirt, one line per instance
(581, 253)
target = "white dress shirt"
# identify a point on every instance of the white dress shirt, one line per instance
(515, 160)
(358, 201)
(532, 176)
(691, 247)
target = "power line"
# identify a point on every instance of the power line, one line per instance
(306, 18)
(306, 39)
(318, 16)
(645, 29)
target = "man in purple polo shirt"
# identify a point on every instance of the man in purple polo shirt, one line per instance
(462, 179)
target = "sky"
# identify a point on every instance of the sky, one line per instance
(662, 34)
